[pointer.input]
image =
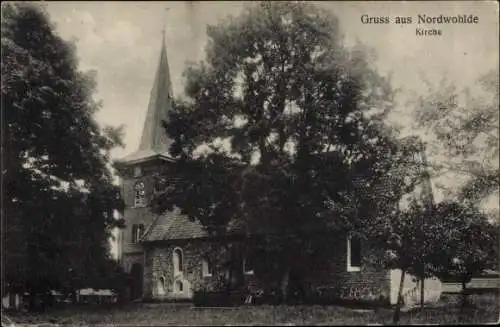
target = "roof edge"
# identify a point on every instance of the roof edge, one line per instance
(199, 238)
(125, 162)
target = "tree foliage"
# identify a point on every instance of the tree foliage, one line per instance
(59, 198)
(409, 238)
(449, 240)
(278, 122)
(469, 242)
(465, 124)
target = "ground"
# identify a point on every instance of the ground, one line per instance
(484, 309)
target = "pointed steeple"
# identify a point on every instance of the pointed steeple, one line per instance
(154, 139)
(160, 103)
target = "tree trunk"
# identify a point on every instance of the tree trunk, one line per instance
(422, 284)
(400, 298)
(229, 281)
(74, 297)
(229, 268)
(464, 294)
(31, 301)
(284, 286)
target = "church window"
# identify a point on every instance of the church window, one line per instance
(177, 261)
(179, 287)
(417, 157)
(139, 194)
(206, 267)
(161, 286)
(353, 253)
(247, 266)
(137, 231)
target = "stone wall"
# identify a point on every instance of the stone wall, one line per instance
(330, 280)
(159, 267)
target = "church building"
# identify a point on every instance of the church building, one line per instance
(164, 253)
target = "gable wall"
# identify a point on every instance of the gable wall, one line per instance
(159, 263)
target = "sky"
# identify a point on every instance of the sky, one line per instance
(121, 42)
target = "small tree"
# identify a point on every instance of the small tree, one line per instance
(469, 243)
(455, 240)
(409, 241)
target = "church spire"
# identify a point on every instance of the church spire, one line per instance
(160, 103)
(154, 140)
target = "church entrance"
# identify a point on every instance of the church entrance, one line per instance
(136, 282)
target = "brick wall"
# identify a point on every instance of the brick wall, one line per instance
(333, 280)
(137, 215)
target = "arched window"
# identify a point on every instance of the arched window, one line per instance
(139, 194)
(177, 261)
(417, 157)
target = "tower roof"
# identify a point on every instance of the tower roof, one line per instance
(154, 140)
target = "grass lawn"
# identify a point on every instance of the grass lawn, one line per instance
(484, 309)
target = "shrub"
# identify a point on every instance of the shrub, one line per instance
(205, 298)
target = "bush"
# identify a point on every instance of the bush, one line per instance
(218, 299)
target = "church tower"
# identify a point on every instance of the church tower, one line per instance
(139, 173)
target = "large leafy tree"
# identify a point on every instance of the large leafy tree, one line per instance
(464, 123)
(59, 199)
(277, 123)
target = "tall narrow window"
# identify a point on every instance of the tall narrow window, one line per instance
(353, 253)
(137, 231)
(139, 194)
(247, 266)
(179, 286)
(161, 286)
(417, 157)
(177, 261)
(206, 267)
